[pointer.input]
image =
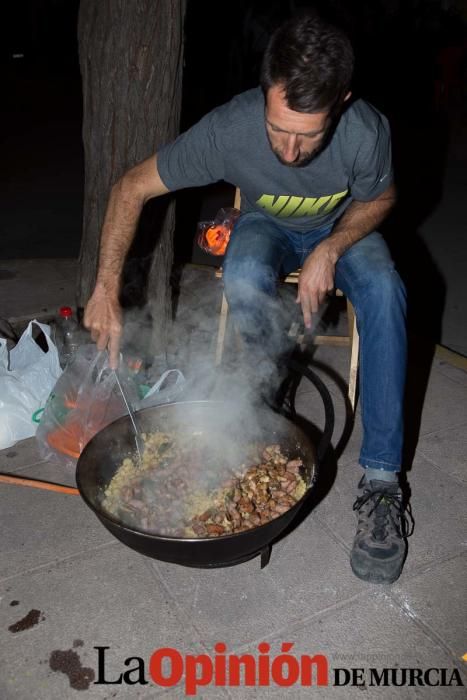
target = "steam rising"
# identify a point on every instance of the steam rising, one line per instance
(242, 386)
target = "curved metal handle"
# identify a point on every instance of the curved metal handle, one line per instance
(323, 391)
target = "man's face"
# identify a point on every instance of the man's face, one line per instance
(295, 138)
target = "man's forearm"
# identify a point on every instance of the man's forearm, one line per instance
(103, 315)
(358, 220)
(126, 201)
(121, 219)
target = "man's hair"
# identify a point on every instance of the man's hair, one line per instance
(312, 60)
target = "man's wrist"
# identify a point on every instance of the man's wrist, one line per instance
(330, 249)
(108, 284)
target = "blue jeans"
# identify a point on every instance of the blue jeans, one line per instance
(260, 251)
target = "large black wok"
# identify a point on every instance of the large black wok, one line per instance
(105, 452)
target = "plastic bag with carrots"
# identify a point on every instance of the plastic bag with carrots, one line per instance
(214, 236)
(84, 400)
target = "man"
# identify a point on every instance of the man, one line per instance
(315, 174)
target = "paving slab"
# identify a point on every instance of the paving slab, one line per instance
(365, 633)
(47, 471)
(41, 527)
(445, 404)
(456, 374)
(447, 449)
(23, 454)
(105, 598)
(438, 600)
(308, 571)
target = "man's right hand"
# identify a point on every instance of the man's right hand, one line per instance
(103, 317)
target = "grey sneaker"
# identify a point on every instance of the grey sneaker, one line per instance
(384, 523)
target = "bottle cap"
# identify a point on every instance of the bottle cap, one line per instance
(66, 311)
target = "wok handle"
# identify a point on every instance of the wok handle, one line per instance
(323, 391)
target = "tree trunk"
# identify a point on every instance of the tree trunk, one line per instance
(131, 64)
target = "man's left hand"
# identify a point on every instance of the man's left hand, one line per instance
(315, 281)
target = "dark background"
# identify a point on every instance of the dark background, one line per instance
(407, 51)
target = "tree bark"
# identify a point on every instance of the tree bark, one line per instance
(131, 55)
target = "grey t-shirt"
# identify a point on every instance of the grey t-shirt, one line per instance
(230, 143)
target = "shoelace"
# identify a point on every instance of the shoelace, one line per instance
(404, 527)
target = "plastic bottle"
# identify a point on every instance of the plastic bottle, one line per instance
(69, 330)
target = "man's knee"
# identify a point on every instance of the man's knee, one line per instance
(367, 272)
(389, 287)
(246, 278)
(385, 293)
(253, 257)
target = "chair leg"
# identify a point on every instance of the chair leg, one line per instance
(354, 352)
(221, 331)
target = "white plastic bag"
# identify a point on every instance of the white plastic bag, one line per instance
(27, 376)
(166, 389)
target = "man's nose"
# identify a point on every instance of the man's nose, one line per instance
(291, 149)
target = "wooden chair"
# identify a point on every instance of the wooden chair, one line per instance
(351, 340)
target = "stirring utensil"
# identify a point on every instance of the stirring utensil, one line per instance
(138, 439)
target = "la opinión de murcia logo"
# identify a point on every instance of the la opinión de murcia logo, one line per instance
(167, 667)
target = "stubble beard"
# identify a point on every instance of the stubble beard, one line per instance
(302, 162)
(306, 158)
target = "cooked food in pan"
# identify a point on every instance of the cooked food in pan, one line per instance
(188, 487)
